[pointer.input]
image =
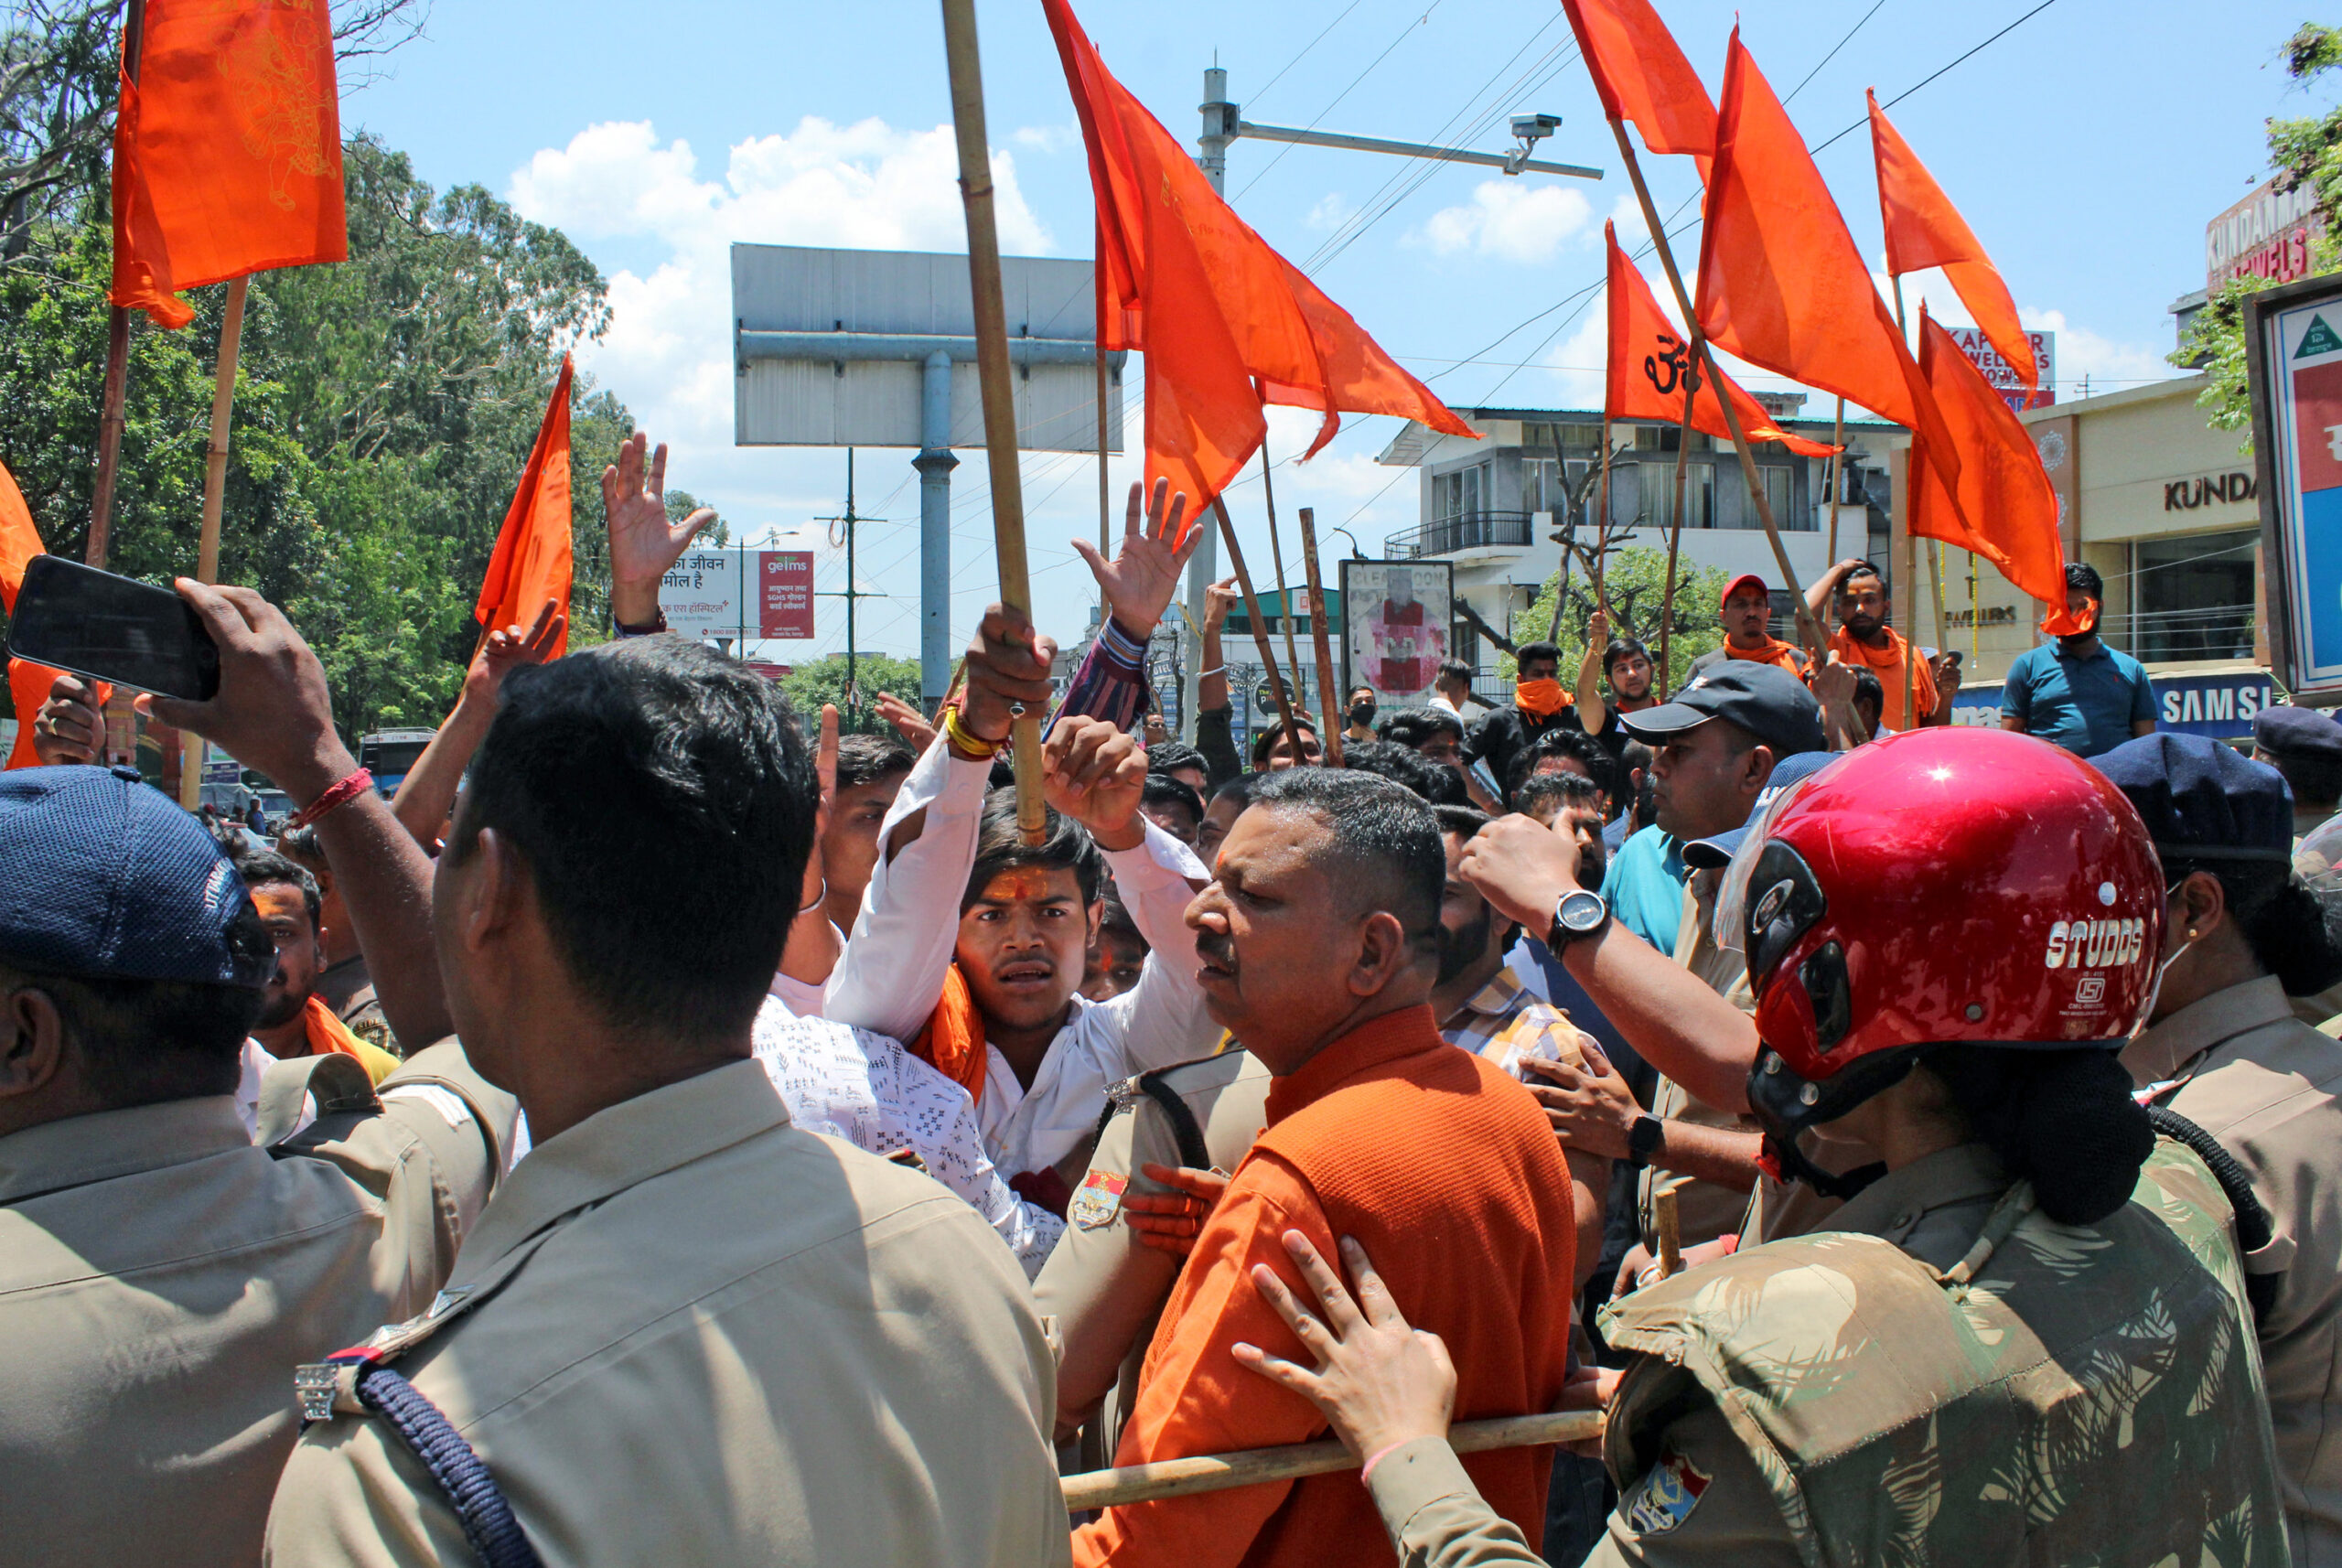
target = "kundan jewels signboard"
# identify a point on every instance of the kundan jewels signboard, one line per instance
(1396, 631)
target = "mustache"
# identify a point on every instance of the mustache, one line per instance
(1216, 950)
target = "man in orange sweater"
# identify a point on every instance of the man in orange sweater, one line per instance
(1318, 946)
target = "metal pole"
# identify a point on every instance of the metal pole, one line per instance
(215, 485)
(992, 365)
(934, 463)
(1320, 614)
(1806, 628)
(1203, 566)
(110, 419)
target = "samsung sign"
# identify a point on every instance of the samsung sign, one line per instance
(2219, 706)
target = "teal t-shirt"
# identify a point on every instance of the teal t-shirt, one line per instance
(2087, 705)
(1645, 887)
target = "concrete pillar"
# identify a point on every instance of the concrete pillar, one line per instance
(935, 463)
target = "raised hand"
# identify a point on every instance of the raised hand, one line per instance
(643, 544)
(1008, 667)
(1094, 773)
(70, 726)
(1219, 600)
(273, 711)
(908, 722)
(507, 649)
(1145, 573)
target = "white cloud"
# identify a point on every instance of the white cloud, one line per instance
(1048, 138)
(1329, 212)
(1507, 220)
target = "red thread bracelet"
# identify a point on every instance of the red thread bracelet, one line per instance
(341, 792)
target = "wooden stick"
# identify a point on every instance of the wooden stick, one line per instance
(1255, 1466)
(1910, 561)
(994, 375)
(1105, 501)
(1667, 1219)
(1806, 628)
(1276, 552)
(215, 486)
(110, 417)
(1675, 529)
(1935, 573)
(1332, 737)
(1833, 468)
(1260, 629)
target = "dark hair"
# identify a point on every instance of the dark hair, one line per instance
(1411, 727)
(1001, 847)
(2285, 924)
(1866, 570)
(301, 845)
(640, 781)
(2315, 781)
(1362, 686)
(1462, 821)
(266, 868)
(1173, 756)
(866, 758)
(2063, 1119)
(1528, 651)
(1456, 670)
(145, 1041)
(1268, 737)
(1600, 766)
(1162, 789)
(1116, 921)
(1622, 648)
(1239, 790)
(1636, 757)
(1868, 687)
(1563, 787)
(1404, 766)
(1382, 841)
(2083, 578)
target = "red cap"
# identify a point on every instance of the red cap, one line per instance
(1738, 582)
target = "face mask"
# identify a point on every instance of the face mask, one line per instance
(2154, 987)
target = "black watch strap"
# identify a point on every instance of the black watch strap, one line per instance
(1643, 1138)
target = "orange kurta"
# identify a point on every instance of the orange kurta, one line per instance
(1446, 1171)
(1886, 663)
(1787, 655)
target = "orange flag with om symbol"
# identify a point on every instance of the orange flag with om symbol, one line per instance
(227, 154)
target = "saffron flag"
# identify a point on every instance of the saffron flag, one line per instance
(1924, 229)
(1649, 361)
(2001, 506)
(531, 562)
(1781, 283)
(1227, 324)
(28, 683)
(1642, 77)
(227, 152)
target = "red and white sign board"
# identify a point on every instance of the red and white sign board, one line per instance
(785, 597)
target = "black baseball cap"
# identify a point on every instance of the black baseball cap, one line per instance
(108, 878)
(1763, 699)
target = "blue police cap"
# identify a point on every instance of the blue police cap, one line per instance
(2309, 733)
(2204, 800)
(108, 878)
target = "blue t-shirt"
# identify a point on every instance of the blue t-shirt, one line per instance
(1645, 887)
(2086, 705)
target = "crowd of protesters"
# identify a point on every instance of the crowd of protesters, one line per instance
(670, 1132)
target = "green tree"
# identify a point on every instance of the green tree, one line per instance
(808, 686)
(1634, 584)
(2302, 152)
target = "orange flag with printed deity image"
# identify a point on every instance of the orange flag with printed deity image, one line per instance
(1649, 359)
(532, 563)
(1924, 229)
(1642, 78)
(227, 150)
(2002, 505)
(1226, 323)
(1781, 282)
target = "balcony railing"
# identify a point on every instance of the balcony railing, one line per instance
(1467, 530)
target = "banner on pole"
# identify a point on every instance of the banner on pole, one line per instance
(2294, 352)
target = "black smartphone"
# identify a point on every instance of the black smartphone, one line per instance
(112, 628)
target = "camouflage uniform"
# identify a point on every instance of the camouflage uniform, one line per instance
(1949, 1376)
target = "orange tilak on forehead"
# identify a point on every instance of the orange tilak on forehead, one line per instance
(1021, 884)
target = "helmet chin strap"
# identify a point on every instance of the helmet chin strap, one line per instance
(1787, 1105)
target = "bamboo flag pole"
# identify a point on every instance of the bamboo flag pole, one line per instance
(1834, 468)
(110, 419)
(1675, 528)
(1331, 737)
(1910, 585)
(1259, 629)
(1105, 500)
(1255, 1466)
(1276, 552)
(215, 486)
(1935, 572)
(992, 370)
(1705, 357)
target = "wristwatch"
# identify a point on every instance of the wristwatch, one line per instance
(1576, 914)
(1642, 1138)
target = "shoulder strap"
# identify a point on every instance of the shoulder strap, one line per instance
(337, 1082)
(1193, 1151)
(454, 1468)
(2254, 1228)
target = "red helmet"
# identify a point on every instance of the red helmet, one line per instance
(1945, 885)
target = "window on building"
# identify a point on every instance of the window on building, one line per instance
(1541, 487)
(1627, 494)
(2192, 597)
(1577, 439)
(1777, 496)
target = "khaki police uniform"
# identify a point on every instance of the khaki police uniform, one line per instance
(161, 1275)
(1105, 1287)
(2240, 1065)
(687, 1332)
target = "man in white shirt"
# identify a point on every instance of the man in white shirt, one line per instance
(968, 933)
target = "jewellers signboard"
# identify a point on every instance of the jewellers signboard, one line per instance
(2266, 235)
(2003, 375)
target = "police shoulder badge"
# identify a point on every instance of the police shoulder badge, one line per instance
(1667, 1496)
(1096, 1200)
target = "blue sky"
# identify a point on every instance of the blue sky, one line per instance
(2087, 148)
